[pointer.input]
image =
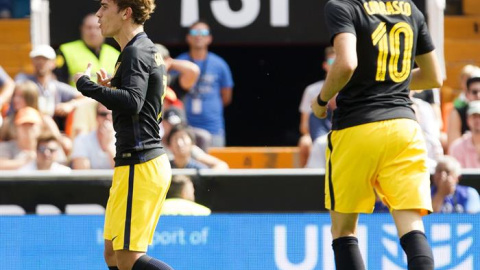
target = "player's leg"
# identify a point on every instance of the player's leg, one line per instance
(345, 243)
(138, 261)
(404, 185)
(352, 155)
(147, 189)
(109, 255)
(413, 240)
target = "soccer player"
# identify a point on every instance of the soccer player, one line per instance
(142, 171)
(376, 143)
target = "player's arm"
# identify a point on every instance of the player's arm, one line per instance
(134, 78)
(342, 69)
(428, 74)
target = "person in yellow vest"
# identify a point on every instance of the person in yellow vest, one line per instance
(181, 199)
(74, 56)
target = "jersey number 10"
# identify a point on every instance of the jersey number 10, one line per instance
(389, 47)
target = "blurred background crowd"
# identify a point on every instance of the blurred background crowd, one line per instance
(46, 124)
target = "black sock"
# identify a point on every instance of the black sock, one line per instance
(419, 253)
(148, 263)
(113, 268)
(347, 254)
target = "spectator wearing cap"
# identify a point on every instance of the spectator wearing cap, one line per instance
(457, 120)
(181, 199)
(48, 149)
(16, 153)
(55, 98)
(174, 116)
(466, 149)
(96, 149)
(447, 195)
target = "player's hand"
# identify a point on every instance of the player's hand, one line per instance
(87, 73)
(319, 111)
(102, 78)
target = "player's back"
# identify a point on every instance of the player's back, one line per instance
(389, 35)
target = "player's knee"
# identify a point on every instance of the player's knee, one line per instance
(126, 259)
(342, 231)
(124, 264)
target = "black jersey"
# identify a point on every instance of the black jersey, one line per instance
(135, 98)
(389, 35)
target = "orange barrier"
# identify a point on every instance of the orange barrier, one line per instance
(15, 46)
(257, 157)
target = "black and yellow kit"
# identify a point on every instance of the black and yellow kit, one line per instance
(376, 142)
(142, 172)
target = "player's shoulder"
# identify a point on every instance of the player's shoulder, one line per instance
(342, 4)
(140, 48)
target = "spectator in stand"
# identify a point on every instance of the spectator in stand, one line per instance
(55, 98)
(96, 149)
(26, 95)
(181, 199)
(74, 56)
(47, 155)
(312, 127)
(457, 120)
(22, 150)
(180, 142)
(175, 116)
(204, 103)
(6, 91)
(466, 148)
(447, 195)
(467, 72)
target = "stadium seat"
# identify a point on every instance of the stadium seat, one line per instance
(84, 209)
(11, 210)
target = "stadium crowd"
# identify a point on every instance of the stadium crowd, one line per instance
(46, 124)
(45, 108)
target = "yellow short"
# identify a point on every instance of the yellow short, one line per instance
(388, 156)
(136, 198)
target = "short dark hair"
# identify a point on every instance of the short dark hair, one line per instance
(141, 9)
(472, 80)
(46, 138)
(178, 128)
(177, 185)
